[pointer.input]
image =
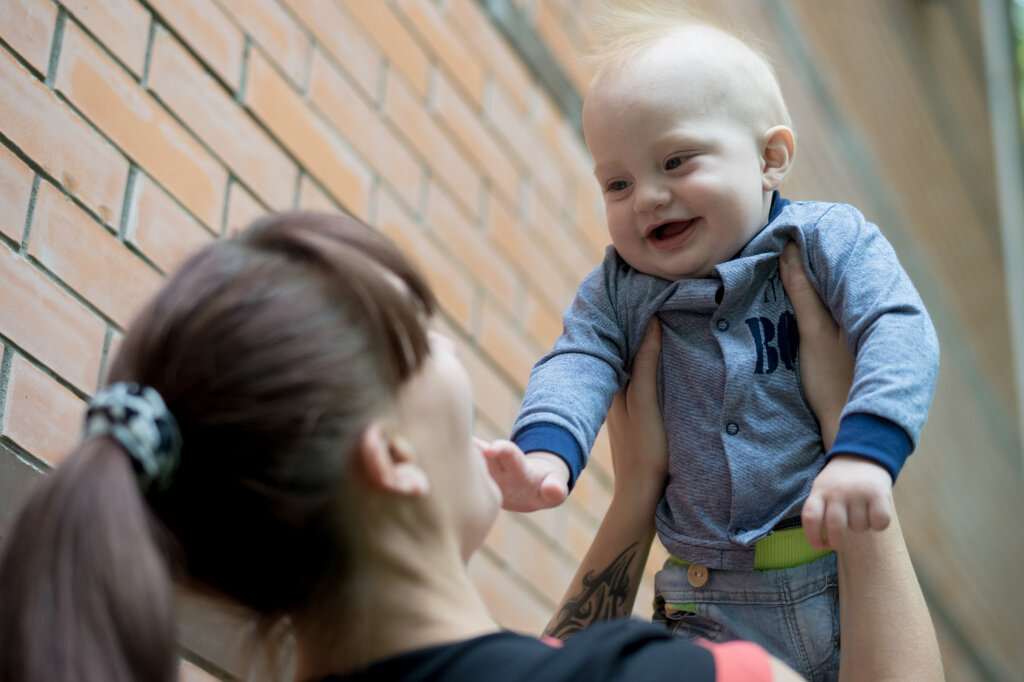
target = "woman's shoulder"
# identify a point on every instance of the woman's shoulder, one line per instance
(613, 651)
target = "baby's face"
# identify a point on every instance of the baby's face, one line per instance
(681, 176)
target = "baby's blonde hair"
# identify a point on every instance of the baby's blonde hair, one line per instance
(622, 29)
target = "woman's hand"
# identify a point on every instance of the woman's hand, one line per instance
(826, 364)
(851, 493)
(636, 431)
(606, 583)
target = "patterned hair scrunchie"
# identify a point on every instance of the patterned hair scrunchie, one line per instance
(137, 418)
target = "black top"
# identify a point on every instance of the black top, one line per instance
(618, 650)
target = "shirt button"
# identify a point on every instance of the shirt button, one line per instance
(698, 575)
(732, 428)
(723, 325)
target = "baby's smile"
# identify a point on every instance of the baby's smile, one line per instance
(672, 234)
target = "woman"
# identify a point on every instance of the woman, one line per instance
(283, 431)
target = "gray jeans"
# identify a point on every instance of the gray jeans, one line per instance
(791, 612)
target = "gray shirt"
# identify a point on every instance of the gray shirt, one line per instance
(744, 446)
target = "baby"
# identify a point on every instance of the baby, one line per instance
(691, 140)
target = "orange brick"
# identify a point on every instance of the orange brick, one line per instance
(515, 135)
(495, 399)
(503, 342)
(424, 19)
(546, 569)
(48, 323)
(513, 606)
(209, 32)
(453, 289)
(210, 112)
(491, 48)
(394, 41)
(552, 524)
(243, 208)
(590, 218)
(41, 415)
(116, 104)
(591, 493)
(340, 37)
(520, 246)
(540, 319)
(160, 228)
(27, 26)
(313, 198)
(549, 126)
(307, 137)
(555, 238)
(414, 123)
(358, 122)
(121, 25)
(60, 142)
(88, 258)
(552, 30)
(469, 245)
(276, 32)
(478, 141)
(112, 350)
(15, 190)
(189, 672)
(601, 458)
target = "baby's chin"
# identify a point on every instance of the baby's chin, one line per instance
(669, 275)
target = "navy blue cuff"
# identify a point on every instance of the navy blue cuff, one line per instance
(874, 437)
(552, 438)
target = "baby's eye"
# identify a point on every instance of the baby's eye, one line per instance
(673, 163)
(616, 185)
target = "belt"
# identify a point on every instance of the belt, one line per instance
(785, 547)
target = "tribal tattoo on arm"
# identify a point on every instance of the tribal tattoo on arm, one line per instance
(603, 596)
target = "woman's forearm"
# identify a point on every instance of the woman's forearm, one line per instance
(606, 584)
(887, 633)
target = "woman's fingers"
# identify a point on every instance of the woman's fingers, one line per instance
(811, 314)
(826, 364)
(642, 392)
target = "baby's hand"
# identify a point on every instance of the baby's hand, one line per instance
(528, 482)
(850, 492)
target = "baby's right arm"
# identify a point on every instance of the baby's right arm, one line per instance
(571, 388)
(528, 482)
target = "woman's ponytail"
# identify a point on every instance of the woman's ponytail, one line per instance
(85, 592)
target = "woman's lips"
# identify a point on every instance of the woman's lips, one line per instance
(671, 235)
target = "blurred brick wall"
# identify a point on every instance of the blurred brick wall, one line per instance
(133, 131)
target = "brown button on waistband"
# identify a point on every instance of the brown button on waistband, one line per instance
(698, 575)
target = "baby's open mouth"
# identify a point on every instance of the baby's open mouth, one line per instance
(670, 229)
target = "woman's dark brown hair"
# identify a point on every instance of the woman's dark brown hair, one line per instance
(273, 350)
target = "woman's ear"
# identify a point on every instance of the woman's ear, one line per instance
(776, 157)
(389, 464)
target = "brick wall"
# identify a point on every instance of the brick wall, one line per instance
(133, 131)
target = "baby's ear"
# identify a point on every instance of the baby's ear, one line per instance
(776, 156)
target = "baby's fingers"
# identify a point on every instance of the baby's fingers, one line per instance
(835, 525)
(879, 513)
(811, 518)
(553, 490)
(857, 514)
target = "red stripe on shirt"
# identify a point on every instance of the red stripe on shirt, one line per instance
(739, 661)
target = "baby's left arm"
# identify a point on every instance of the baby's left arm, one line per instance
(861, 281)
